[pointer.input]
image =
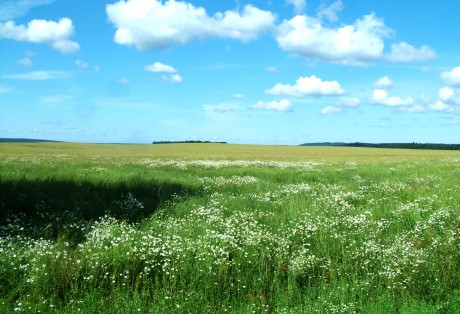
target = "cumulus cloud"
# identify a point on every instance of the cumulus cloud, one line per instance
(452, 78)
(330, 12)
(307, 86)
(350, 102)
(449, 95)
(381, 97)
(341, 105)
(160, 67)
(403, 52)
(415, 109)
(360, 43)
(356, 44)
(330, 110)
(447, 99)
(440, 106)
(53, 33)
(152, 24)
(174, 78)
(282, 105)
(299, 5)
(38, 76)
(383, 83)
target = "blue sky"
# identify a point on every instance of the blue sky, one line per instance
(261, 71)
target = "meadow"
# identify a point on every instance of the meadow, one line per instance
(220, 228)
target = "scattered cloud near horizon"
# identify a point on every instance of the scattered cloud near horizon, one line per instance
(282, 105)
(160, 67)
(38, 76)
(171, 75)
(307, 86)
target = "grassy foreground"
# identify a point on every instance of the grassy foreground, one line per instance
(206, 228)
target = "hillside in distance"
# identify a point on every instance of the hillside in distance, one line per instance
(24, 140)
(412, 145)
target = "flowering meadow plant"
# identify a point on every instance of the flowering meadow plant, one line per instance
(156, 235)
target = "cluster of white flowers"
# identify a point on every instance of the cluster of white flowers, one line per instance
(233, 180)
(218, 164)
(248, 231)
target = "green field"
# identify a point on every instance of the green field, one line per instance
(220, 228)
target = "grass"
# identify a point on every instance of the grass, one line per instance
(222, 152)
(209, 228)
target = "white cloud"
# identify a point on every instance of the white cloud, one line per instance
(348, 102)
(380, 97)
(383, 83)
(414, 109)
(96, 68)
(425, 99)
(446, 93)
(157, 25)
(160, 67)
(358, 44)
(53, 33)
(449, 95)
(299, 5)
(282, 105)
(447, 98)
(403, 52)
(238, 96)
(173, 78)
(38, 76)
(330, 110)
(12, 9)
(452, 78)
(330, 12)
(440, 106)
(26, 62)
(81, 64)
(307, 86)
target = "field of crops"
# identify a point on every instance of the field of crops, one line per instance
(215, 228)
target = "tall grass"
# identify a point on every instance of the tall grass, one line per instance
(90, 234)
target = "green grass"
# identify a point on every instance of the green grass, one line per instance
(207, 228)
(111, 152)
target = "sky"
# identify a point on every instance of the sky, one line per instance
(280, 72)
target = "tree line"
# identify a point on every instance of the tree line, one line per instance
(412, 145)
